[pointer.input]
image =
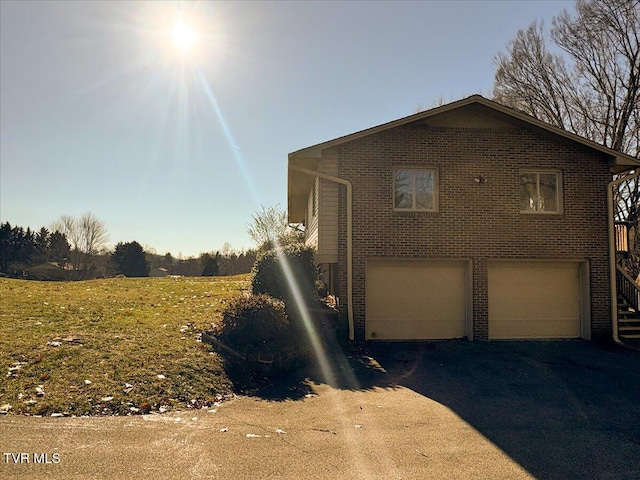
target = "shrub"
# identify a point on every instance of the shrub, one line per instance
(255, 323)
(269, 277)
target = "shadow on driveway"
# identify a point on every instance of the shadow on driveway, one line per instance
(561, 409)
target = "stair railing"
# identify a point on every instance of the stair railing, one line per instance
(628, 288)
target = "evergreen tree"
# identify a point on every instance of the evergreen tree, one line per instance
(59, 248)
(129, 259)
(168, 262)
(42, 239)
(5, 246)
(209, 265)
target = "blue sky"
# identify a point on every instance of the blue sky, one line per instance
(100, 112)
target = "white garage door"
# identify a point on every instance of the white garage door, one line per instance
(415, 299)
(534, 300)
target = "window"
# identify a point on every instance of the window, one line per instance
(540, 192)
(415, 189)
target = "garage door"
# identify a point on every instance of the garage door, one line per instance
(415, 299)
(534, 300)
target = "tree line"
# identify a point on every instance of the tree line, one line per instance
(208, 264)
(20, 248)
(75, 249)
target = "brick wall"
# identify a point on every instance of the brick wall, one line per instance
(474, 221)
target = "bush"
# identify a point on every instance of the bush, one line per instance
(269, 277)
(255, 323)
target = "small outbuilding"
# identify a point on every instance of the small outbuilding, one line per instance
(50, 271)
(159, 272)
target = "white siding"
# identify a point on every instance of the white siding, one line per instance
(311, 228)
(327, 228)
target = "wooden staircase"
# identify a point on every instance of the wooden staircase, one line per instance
(628, 307)
(628, 321)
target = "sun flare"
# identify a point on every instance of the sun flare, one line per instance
(183, 37)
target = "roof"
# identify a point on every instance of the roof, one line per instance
(307, 157)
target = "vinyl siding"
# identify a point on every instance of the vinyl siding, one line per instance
(328, 213)
(311, 230)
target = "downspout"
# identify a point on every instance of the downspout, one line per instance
(612, 253)
(346, 183)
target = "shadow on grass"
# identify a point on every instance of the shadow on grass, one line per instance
(561, 409)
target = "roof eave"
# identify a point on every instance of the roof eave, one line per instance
(315, 150)
(298, 185)
(622, 161)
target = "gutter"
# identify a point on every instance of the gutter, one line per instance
(612, 253)
(346, 183)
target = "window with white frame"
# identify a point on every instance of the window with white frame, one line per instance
(415, 189)
(540, 192)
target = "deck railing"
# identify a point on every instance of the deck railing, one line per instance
(621, 234)
(629, 289)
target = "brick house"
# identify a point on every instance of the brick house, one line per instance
(467, 220)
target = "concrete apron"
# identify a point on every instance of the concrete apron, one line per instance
(377, 433)
(548, 410)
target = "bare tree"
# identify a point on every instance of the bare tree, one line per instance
(582, 76)
(592, 85)
(93, 234)
(68, 226)
(438, 102)
(269, 226)
(87, 235)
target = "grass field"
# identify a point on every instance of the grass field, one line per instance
(113, 346)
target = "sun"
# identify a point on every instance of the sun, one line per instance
(183, 36)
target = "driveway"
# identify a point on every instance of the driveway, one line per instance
(443, 410)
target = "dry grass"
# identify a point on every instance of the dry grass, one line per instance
(114, 346)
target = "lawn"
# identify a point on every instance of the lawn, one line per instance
(112, 346)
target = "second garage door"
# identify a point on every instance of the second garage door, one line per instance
(535, 299)
(409, 299)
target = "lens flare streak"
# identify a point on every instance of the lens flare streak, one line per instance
(301, 305)
(303, 311)
(240, 163)
(334, 368)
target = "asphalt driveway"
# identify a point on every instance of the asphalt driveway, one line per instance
(443, 410)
